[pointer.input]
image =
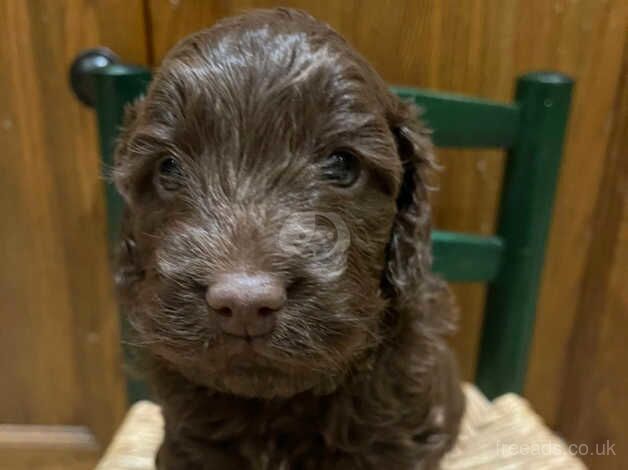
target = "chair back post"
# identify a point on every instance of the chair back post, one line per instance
(524, 218)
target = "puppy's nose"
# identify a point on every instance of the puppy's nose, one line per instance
(246, 304)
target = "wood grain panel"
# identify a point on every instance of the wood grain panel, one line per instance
(587, 41)
(594, 409)
(479, 47)
(59, 351)
(47, 447)
(47, 459)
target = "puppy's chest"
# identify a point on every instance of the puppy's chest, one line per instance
(271, 434)
(280, 431)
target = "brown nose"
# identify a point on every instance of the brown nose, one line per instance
(245, 304)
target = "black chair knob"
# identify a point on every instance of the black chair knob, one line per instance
(84, 63)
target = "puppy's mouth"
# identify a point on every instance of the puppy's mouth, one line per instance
(248, 344)
(250, 339)
(247, 349)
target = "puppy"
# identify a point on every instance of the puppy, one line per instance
(275, 256)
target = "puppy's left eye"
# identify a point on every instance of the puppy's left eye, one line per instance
(342, 168)
(168, 174)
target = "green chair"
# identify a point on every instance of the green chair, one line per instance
(532, 129)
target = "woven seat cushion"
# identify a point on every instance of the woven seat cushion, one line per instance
(503, 434)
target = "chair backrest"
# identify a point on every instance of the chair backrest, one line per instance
(531, 129)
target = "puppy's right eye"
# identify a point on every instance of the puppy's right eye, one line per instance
(169, 174)
(342, 168)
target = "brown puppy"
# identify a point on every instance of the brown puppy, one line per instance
(275, 262)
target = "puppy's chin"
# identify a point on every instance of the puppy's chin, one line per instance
(253, 370)
(236, 368)
(250, 379)
(254, 382)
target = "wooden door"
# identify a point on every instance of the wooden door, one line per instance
(594, 410)
(61, 387)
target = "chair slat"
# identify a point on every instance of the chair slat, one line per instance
(462, 121)
(461, 257)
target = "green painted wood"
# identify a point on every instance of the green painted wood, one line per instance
(463, 121)
(115, 86)
(460, 257)
(525, 213)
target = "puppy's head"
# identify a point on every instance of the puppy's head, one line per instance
(276, 217)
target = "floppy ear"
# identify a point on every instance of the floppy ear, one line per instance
(124, 166)
(127, 269)
(408, 277)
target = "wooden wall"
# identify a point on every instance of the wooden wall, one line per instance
(56, 315)
(594, 407)
(61, 385)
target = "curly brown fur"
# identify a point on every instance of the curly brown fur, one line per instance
(356, 373)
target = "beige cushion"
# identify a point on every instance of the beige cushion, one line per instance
(504, 434)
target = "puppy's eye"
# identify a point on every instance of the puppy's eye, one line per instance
(342, 168)
(169, 174)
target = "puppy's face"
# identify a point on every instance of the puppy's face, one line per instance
(261, 174)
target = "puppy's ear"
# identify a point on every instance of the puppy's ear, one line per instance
(408, 277)
(127, 269)
(123, 171)
(409, 249)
